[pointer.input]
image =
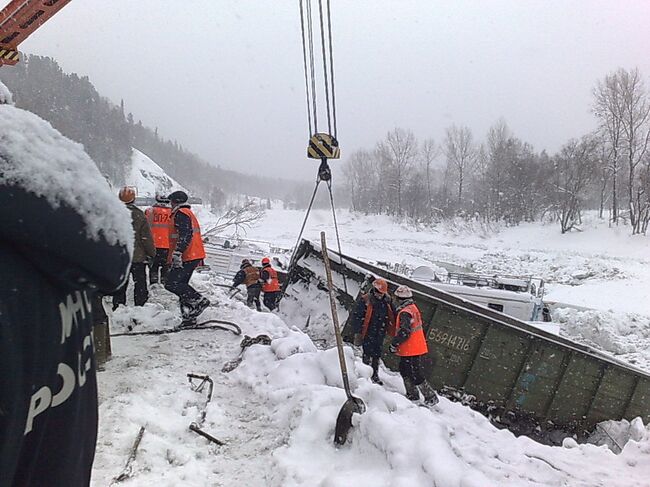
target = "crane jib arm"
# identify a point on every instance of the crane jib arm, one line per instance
(19, 19)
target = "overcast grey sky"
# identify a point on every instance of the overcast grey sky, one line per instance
(224, 77)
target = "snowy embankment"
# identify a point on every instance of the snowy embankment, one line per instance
(277, 412)
(148, 177)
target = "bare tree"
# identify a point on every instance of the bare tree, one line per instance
(362, 178)
(399, 149)
(238, 217)
(460, 152)
(430, 151)
(635, 118)
(573, 172)
(608, 107)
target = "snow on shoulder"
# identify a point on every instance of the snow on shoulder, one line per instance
(37, 157)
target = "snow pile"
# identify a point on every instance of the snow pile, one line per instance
(37, 157)
(148, 177)
(398, 443)
(5, 95)
(626, 335)
(616, 434)
(566, 268)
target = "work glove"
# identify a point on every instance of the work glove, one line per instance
(177, 260)
(392, 348)
(358, 340)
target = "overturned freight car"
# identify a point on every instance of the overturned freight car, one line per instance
(526, 379)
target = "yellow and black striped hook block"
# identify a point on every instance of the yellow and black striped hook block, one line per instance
(323, 146)
(8, 56)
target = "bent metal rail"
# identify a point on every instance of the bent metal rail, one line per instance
(534, 382)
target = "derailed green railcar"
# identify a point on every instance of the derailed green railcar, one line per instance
(532, 381)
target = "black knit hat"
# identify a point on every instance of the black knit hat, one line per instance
(178, 197)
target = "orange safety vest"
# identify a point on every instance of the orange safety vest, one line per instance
(161, 225)
(368, 316)
(274, 285)
(195, 249)
(252, 275)
(415, 344)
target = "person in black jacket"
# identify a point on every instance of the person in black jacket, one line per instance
(249, 275)
(371, 319)
(186, 253)
(54, 259)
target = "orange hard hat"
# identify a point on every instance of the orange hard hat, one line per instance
(266, 260)
(380, 285)
(127, 194)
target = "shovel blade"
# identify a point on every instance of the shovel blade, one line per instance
(344, 419)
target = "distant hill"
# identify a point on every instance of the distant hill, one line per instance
(148, 177)
(74, 107)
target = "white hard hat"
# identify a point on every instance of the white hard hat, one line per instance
(403, 292)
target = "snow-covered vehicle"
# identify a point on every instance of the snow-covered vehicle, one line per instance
(516, 296)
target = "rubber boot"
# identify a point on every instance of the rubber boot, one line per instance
(375, 372)
(429, 393)
(199, 307)
(412, 391)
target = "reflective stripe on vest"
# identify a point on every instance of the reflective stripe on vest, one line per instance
(161, 225)
(194, 250)
(415, 344)
(274, 284)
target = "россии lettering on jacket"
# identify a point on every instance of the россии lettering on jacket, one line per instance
(72, 310)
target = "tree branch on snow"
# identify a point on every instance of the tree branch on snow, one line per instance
(240, 217)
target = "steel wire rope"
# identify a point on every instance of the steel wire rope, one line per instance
(329, 29)
(336, 229)
(304, 222)
(324, 173)
(324, 52)
(310, 35)
(304, 62)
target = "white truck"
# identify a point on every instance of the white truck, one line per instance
(516, 296)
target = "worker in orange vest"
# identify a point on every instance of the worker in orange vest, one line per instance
(270, 284)
(410, 344)
(186, 252)
(249, 275)
(159, 217)
(370, 320)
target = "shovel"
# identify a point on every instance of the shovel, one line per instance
(353, 404)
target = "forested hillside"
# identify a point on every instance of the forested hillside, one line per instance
(108, 132)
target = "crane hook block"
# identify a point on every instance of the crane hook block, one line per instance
(323, 146)
(8, 56)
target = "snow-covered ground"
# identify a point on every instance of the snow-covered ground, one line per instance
(277, 410)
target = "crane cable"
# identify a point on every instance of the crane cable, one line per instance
(324, 172)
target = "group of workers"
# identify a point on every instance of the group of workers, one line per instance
(375, 316)
(257, 281)
(167, 241)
